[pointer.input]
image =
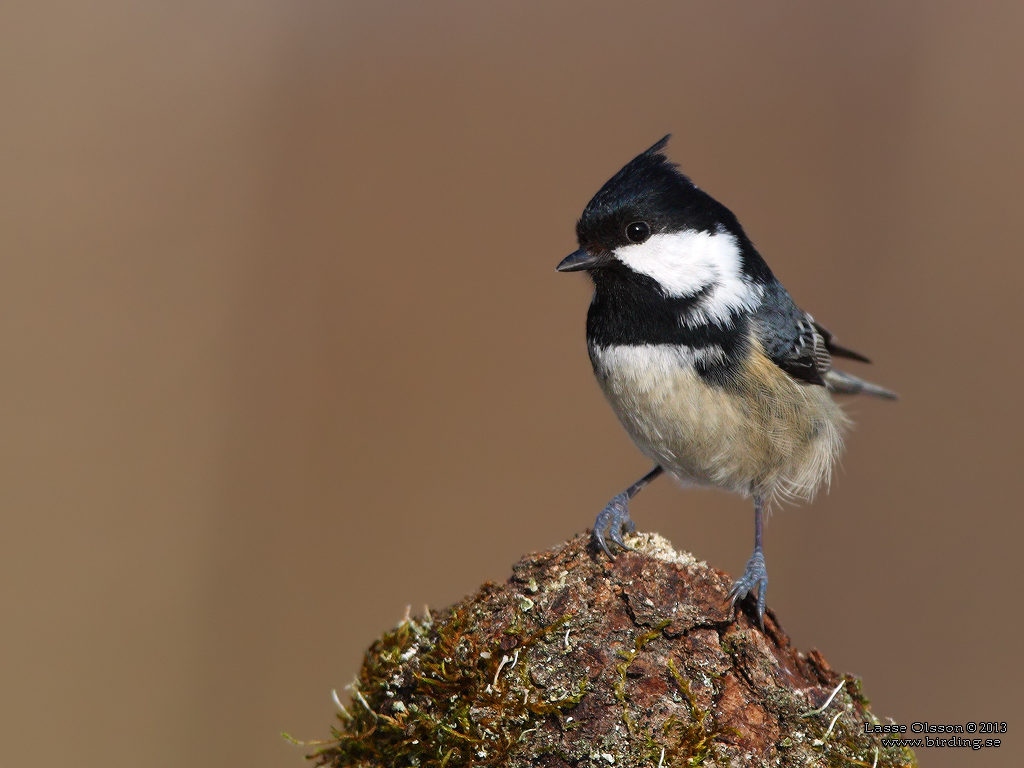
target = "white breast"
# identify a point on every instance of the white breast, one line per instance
(767, 433)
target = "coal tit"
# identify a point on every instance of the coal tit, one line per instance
(714, 372)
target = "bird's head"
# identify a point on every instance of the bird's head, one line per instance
(650, 223)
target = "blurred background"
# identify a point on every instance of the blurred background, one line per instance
(284, 350)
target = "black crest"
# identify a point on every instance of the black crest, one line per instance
(649, 188)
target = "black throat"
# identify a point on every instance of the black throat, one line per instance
(630, 309)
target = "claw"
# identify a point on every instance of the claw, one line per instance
(754, 579)
(611, 522)
(615, 534)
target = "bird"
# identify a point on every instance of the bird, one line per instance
(712, 369)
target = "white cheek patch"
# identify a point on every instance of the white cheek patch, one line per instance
(686, 263)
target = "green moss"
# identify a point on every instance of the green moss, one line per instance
(628, 657)
(436, 695)
(840, 740)
(855, 690)
(495, 681)
(690, 743)
(679, 743)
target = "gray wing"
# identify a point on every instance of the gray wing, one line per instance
(791, 338)
(804, 349)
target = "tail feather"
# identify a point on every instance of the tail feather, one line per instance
(845, 384)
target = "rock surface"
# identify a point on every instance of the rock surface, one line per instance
(578, 660)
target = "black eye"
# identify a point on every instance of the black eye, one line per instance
(638, 231)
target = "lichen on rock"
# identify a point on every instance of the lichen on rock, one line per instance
(578, 660)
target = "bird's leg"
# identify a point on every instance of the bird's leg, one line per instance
(614, 518)
(755, 578)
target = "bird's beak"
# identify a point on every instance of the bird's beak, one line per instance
(579, 260)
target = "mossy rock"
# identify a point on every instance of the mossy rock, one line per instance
(578, 660)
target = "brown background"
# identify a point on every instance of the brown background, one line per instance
(284, 351)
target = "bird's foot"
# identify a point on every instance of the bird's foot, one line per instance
(754, 580)
(611, 522)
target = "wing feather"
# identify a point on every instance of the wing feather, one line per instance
(806, 358)
(834, 349)
(804, 348)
